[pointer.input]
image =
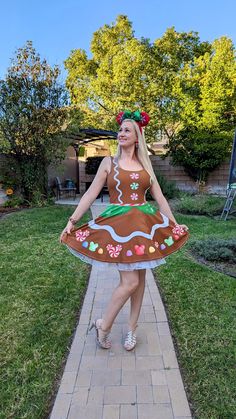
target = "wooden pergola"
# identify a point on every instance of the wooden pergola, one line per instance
(87, 135)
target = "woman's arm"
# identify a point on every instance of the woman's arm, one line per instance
(95, 188)
(163, 204)
(90, 195)
(164, 207)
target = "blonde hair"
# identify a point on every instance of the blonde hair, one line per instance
(141, 151)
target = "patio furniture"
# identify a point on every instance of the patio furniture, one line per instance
(67, 189)
(103, 192)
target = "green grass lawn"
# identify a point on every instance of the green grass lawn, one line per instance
(201, 307)
(42, 287)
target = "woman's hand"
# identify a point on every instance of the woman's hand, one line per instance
(67, 230)
(183, 226)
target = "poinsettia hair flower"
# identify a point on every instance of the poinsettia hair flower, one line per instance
(142, 118)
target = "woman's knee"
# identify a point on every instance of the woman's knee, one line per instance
(130, 280)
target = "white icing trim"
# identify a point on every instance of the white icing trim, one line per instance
(124, 239)
(116, 170)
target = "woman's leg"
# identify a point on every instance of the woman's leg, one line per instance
(136, 299)
(129, 282)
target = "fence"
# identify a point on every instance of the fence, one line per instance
(216, 184)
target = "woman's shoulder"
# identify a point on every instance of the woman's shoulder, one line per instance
(107, 163)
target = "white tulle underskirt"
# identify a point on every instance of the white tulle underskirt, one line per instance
(120, 266)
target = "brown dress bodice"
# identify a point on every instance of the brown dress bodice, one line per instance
(127, 187)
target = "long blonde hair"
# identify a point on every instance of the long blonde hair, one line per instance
(141, 151)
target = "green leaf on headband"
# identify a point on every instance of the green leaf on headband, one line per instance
(136, 116)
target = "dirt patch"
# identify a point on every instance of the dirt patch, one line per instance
(225, 268)
(5, 211)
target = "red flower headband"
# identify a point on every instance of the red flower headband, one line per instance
(142, 118)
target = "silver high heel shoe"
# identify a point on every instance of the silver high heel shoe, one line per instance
(130, 340)
(102, 338)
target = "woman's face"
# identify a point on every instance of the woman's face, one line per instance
(127, 135)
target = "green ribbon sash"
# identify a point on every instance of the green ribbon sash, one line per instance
(113, 210)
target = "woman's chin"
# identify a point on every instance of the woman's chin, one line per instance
(125, 144)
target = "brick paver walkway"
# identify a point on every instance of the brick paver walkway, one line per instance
(116, 384)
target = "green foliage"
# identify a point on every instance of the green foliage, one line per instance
(206, 88)
(217, 85)
(4, 144)
(215, 249)
(200, 205)
(168, 188)
(200, 152)
(81, 151)
(41, 200)
(33, 115)
(10, 176)
(103, 85)
(14, 202)
(187, 86)
(112, 145)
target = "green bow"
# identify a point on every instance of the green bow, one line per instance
(132, 115)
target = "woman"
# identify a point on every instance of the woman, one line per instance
(130, 233)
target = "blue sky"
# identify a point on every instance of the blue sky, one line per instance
(58, 26)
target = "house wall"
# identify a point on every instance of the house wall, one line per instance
(67, 169)
(85, 179)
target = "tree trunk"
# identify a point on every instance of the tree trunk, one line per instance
(201, 187)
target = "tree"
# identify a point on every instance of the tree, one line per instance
(33, 114)
(218, 86)
(102, 85)
(199, 152)
(207, 92)
(187, 86)
(125, 72)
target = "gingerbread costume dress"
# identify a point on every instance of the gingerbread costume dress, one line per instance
(131, 233)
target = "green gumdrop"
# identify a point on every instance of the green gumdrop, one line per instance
(169, 241)
(93, 246)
